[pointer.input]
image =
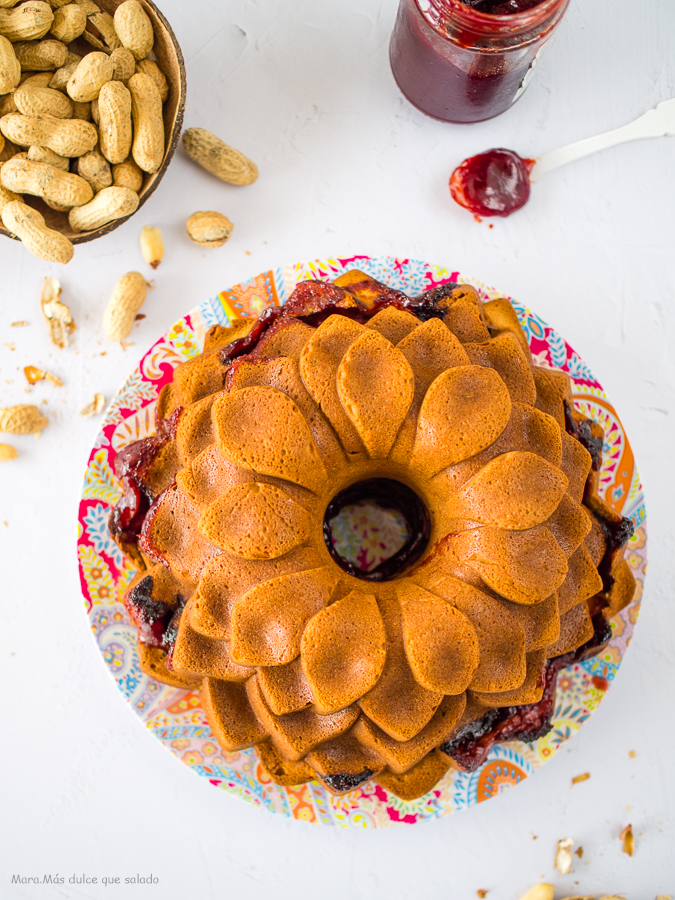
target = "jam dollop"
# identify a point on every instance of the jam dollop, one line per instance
(343, 781)
(495, 183)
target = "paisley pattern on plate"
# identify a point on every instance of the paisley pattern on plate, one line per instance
(176, 718)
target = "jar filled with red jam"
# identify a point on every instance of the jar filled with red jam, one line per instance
(469, 60)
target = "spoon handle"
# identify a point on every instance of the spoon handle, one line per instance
(658, 122)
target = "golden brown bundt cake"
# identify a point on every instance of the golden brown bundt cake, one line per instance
(431, 406)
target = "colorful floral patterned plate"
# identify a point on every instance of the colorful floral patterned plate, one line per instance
(176, 718)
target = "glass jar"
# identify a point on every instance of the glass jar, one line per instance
(461, 65)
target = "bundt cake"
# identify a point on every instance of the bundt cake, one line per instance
(511, 566)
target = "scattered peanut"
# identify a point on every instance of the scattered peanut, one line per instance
(39, 55)
(539, 892)
(152, 246)
(134, 28)
(627, 840)
(124, 63)
(67, 137)
(94, 408)
(33, 100)
(57, 315)
(146, 107)
(109, 204)
(114, 126)
(148, 67)
(30, 227)
(10, 67)
(209, 229)
(579, 778)
(95, 169)
(33, 375)
(23, 419)
(89, 77)
(23, 176)
(7, 452)
(69, 22)
(218, 157)
(127, 174)
(27, 22)
(127, 298)
(563, 857)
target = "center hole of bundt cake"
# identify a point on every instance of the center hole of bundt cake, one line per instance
(375, 529)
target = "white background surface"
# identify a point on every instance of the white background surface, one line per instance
(347, 166)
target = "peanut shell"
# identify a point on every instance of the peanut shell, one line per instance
(134, 28)
(109, 204)
(114, 121)
(23, 419)
(146, 108)
(28, 225)
(218, 157)
(127, 298)
(209, 229)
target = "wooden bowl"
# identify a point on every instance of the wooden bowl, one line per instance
(170, 60)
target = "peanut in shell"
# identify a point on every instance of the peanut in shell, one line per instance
(218, 157)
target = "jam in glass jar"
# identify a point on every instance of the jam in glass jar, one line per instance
(469, 60)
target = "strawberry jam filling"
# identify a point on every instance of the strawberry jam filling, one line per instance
(496, 183)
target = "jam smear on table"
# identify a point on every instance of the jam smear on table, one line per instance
(495, 183)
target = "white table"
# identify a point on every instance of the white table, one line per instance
(347, 166)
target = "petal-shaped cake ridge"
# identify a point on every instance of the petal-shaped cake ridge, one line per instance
(501, 637)
(401, 756)
(515, 491)
(283, 374)
(541, 621)
(170, 535)
(576, 628)
(195, 654)
(583, 580)
(230, 714)
(398, 704)
(319, 363)
(282, 771)
(285, 688)
(375, 385)
(225, 578)
(394, 324)
(416, 781)
(463, 412)
(500, 316)
(576, 464)
(528, 429)
(505, 355)
(530, 691)
(268, 621)
(295, 734)
(344, 755)
(431, 349)
(343, 651)
(464, 314)
(285, 338)
(440, 642)
(255, 521)
(569, 524)
(194, 432)
(523, 566)
(261, 429)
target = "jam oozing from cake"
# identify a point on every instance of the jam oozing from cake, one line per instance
(132, 466)
(343, 782)
(157, 621)
(388, 495)
(589, 434)
(323, 299)
(496, 183)
(470, 747)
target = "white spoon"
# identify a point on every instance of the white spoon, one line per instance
(658, 122)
